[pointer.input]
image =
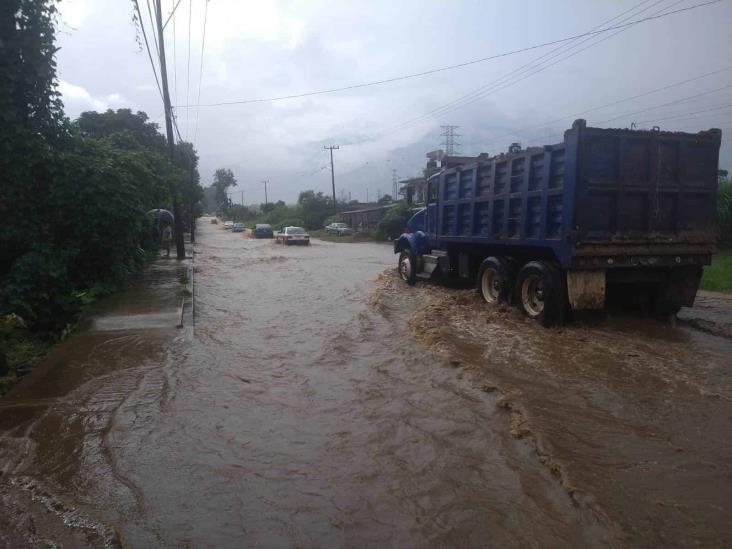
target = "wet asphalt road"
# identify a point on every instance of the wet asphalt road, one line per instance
(318, 402)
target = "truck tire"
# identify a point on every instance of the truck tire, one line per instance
(408, 266)
(495, 280)
(540, 294)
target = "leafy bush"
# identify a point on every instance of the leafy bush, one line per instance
(394, 221)
(289, 222)
(724, 210)
(337, 218)
(314, 208)
(73, 196)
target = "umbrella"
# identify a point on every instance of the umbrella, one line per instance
(162, 215)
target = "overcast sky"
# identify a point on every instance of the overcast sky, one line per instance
(262, 49)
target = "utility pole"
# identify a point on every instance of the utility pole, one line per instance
(394, 185)
(265, 191)
(367, 195)
(180, 246)
(448, 132)
(332, 171)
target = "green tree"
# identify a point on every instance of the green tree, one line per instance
(73, 197)
(314, 208)
(98, 125)
(724, 206)
(385, 199)
(223, 179)
(394, 221)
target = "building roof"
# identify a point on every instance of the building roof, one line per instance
(373, 209)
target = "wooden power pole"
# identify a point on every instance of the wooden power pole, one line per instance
(180, 246)
(332, 171)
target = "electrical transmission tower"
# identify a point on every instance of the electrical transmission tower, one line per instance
(448, 134)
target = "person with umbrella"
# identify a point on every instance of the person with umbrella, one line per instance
(166, 237)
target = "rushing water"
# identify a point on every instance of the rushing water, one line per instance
(319, 402)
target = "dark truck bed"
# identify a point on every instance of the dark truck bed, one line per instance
(601, 194)
(633, 205)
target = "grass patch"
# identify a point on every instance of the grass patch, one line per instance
(364, 236)
(20, 351)
(718, 276)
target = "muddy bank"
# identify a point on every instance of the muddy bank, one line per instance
(632, 416)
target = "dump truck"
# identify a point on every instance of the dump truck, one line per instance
(605, 215)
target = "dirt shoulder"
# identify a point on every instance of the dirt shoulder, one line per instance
(712, 312)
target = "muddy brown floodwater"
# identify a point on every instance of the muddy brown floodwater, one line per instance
(319, 402)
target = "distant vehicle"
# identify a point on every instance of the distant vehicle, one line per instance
(262, 230)
(293, 235)
(228, 225)
(338, 229)
(214, 221)
(238, 228)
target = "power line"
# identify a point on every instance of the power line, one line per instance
(625, 99)
(147, 47)
(175, 62)
(525, 131)
(170, 15)
(682, 115)
(451, 67)
(188, 76)
(200, 72)
(525, 71)
(681, 100)
(152, 24)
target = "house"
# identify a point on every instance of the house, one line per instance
(414, 190)
(365, 218)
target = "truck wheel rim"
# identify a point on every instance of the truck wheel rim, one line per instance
(532, 295)
(405, 268)
(491, 285)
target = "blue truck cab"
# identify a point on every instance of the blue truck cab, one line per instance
(603, 215)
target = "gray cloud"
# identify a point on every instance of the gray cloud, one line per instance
(272, 48)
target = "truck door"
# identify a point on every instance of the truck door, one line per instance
(433, 186)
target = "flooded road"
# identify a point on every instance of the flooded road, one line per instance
(319, 402)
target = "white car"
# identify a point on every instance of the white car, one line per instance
(293, 235)
(228, 225)
(338, 229)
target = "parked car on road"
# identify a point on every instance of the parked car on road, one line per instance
(293, 235)
(228, 225)
(238, 228)
(338, 229)
(262, 230)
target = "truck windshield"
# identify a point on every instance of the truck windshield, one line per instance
(432, 187)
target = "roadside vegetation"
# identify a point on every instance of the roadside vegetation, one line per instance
(313, 211)
(74, 195)
(718, 276)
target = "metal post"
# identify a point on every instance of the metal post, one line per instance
(265, 192)
(178, 222)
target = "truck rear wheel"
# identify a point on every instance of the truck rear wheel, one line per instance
(539, 293)
(408, 266)
(495, 282)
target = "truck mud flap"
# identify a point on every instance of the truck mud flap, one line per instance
(586, 289)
